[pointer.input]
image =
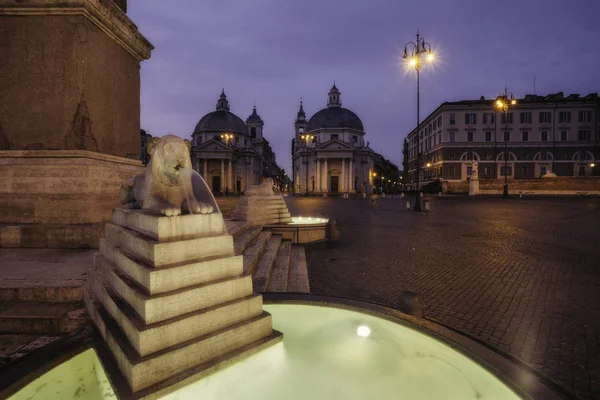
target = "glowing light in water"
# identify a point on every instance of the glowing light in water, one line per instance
(363, 331)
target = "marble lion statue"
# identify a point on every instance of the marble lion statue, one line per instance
(161, 189)
(264, 189)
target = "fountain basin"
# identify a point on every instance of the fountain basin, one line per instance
(302, 229)
(332, 348)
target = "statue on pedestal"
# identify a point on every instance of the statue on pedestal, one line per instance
(475, 170)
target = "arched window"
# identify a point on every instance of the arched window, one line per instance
(470, 156)
(543, 156)
(511, 157)
(583, 156)
(253, 133)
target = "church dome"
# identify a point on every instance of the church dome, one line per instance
(222, 119)
(334, 116)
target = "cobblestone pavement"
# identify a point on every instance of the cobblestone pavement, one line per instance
(522, 275)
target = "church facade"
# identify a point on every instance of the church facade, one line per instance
(329, 152)
(231, 154)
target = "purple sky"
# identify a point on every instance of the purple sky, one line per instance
(273, 52)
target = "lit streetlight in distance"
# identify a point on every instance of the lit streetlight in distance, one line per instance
(307, 138)
(428, 165)
(412, 53)
(502, 104)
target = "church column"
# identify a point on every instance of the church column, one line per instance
(325, 185)
(230, 177)
(222, 175)
(204, 171)
(318, 175)
(343, 180)
(351, 175)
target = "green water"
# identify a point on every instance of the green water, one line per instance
(322, 356)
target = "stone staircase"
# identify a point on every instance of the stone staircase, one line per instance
(275, 264)
(41, 308)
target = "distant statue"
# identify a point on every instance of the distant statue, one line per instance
(475, 172)
(267, 188)
(161, 188)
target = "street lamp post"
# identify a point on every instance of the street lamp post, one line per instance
(502, 103)
(307, 138)
(412, 52)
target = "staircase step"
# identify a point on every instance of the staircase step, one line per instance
(41, 317)
(298, 276)
(255, 250)
(281, 268)
(262, 272)
(236, 228)
(59, 291)
(243, 240)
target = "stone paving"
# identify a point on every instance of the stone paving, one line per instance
(522, 275)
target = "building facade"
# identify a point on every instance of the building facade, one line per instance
(329, 153)
(231, 154)
(540, 134)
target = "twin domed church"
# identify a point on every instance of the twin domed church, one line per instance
(328, 150)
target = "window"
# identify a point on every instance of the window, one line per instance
(544, 156)
(525, 117)
(439, 138)
(486, 171)
(452, 119)
(583, 136)
(245, 142)
(452, 156)
(524, 170)
(510, 118)
(314, 139)
(563, 136)
(469, 155)
(545, 117)
(582, 170)
(488, 156)
(435, 124)
(452, 171)
(585, 116)
(451, 137)
(507, 136)
(488, 136)
(434, 138)
(525, 136)
(199, 139)
(543, 171)
(237, 139)
(506, 171)
(544, 136)
(430, 128)
(355, 139)
(469, 171)
(253, 133)
(470, 118)
(488, 118)
(334, 136)
(469, 136)
(440, 121)
(564, 116)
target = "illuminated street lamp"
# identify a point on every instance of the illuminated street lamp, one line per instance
(227, 137)
(502, 104)
(412, 52)
(307, 139)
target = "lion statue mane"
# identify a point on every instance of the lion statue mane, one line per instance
(161, 189)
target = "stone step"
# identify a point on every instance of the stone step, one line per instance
(281, 268)
(59, 291)
(165, 279)
(254, 251)
(143, 372)
(236, 228)
(147, 339)
(243, 241)
(158, 254)
(298, 276)
(163, 306)
(262, 272)
(41, 317)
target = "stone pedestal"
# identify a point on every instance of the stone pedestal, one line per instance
(262, 210)
(473, 187)
(69, 118)
(169, 297)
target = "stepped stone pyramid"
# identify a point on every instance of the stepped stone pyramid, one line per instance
(169, 297)
(262, 210)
